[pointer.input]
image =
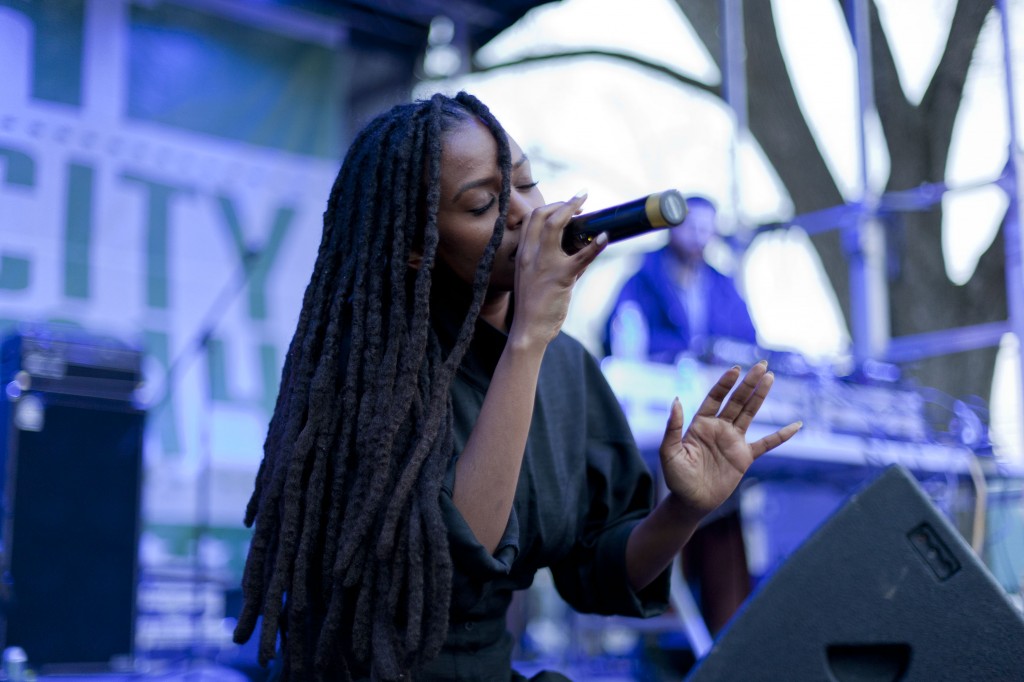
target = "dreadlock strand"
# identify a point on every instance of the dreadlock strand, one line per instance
(327, 651)
(270, 479)
(288, 531)
(368, 329)
(414, 616)
(362, 624)
(422, 294)
(299, 598)
(387, 640)
(285, 394)
(443, 380)
(438, 579)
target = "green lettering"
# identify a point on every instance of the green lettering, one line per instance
(163, 414)
(257, 264)
(19, 169)
(13, 273)
(157, 226)
(217, 368)
(78, 231)
(271, 373)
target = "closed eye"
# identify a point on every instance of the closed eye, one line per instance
(483, 209)
(522, 188)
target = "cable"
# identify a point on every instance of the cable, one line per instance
(980, 503)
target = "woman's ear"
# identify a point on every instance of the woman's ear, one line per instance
(415, 259)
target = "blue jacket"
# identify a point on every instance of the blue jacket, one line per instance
(668, 328)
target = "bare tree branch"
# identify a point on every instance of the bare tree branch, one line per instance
(609, 54)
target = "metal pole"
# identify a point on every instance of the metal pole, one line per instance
(1014, 217)
(864, 241)
(735, 86)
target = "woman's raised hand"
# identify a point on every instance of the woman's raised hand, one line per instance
(703, 466)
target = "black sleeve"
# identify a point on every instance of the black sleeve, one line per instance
(620, 492)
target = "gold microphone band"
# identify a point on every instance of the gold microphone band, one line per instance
(665, 208)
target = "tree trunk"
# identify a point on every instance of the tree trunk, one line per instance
(922, 298)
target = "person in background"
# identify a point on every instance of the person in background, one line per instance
(677, 302)
(675, 306)
(437, 439)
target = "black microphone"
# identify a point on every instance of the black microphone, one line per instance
(655, 211)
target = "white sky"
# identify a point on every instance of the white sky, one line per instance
(622, 132)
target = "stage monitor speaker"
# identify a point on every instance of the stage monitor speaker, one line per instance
(885, 589)
(72, 450)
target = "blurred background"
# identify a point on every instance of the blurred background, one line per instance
(164, 166)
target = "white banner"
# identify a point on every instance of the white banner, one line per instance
(121, 214)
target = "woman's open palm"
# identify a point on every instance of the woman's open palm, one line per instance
(703, 466)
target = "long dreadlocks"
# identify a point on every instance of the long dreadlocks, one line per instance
(349, 561)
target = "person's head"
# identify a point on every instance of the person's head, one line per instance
(688, 239)
(349, 560)
(401, 175)
(471, 195)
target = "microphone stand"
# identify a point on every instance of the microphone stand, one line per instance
(199, 344)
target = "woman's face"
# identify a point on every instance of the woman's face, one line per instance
(470, 184)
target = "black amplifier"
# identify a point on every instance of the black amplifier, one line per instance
(71, 437)
(67, 361)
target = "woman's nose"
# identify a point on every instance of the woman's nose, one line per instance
(519, 208)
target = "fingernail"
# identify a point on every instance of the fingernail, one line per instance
(763, 362)
(579, 195)
(602, 239)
